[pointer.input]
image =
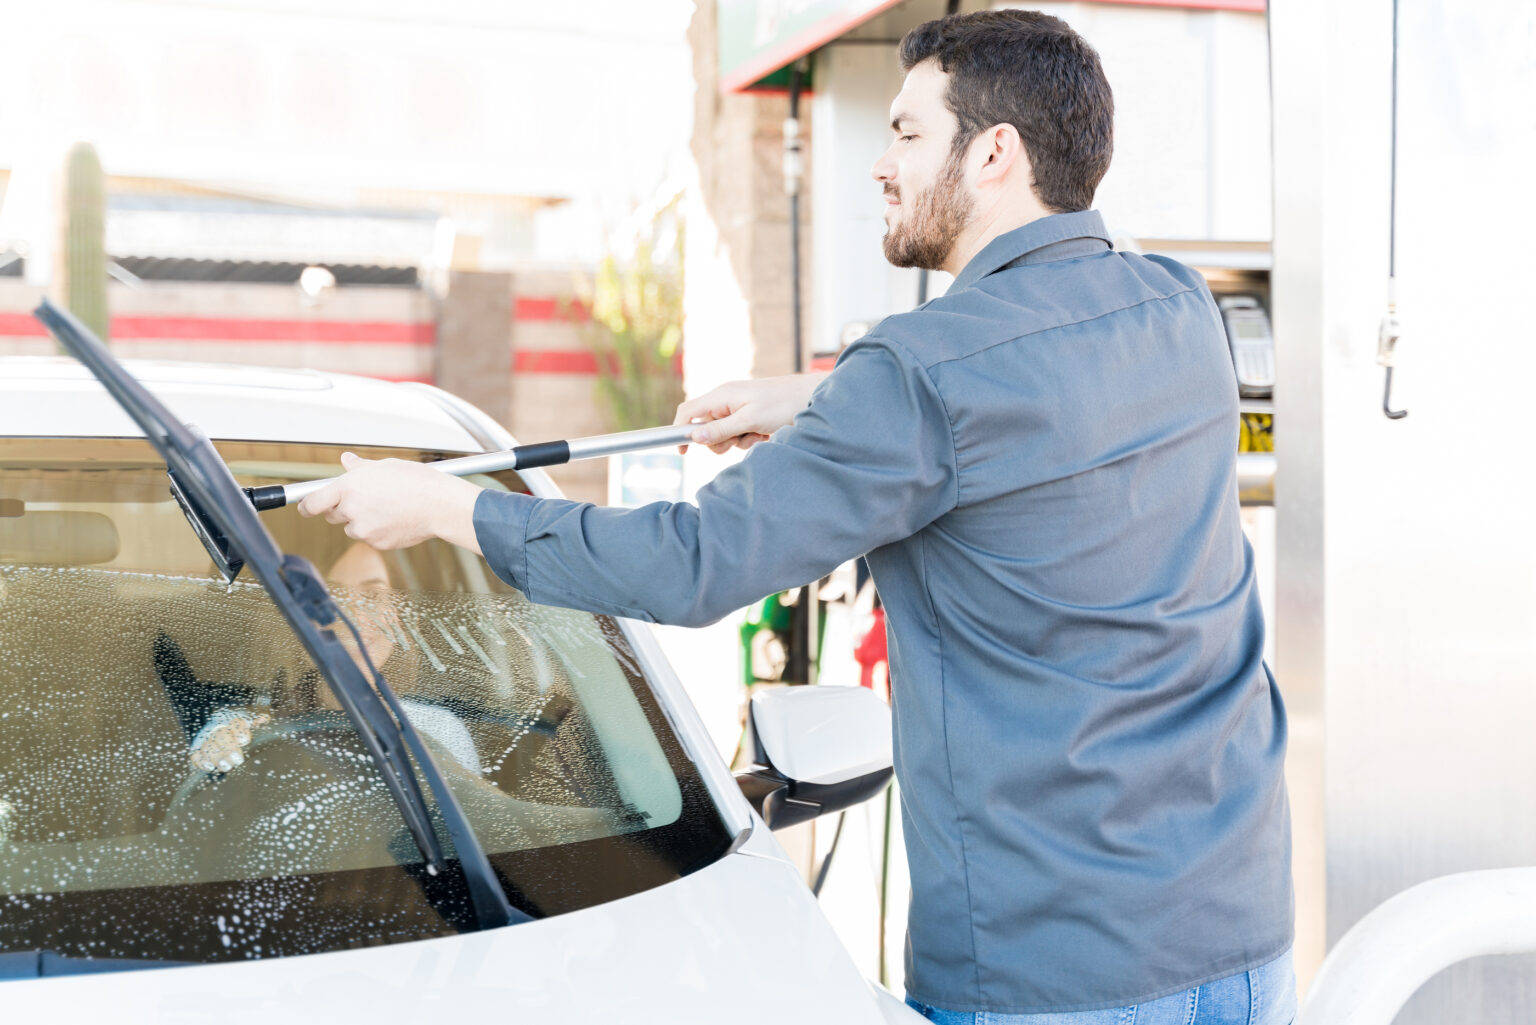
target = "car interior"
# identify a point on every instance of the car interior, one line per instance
(121, 643)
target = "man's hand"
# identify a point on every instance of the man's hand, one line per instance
(743, 413)
(393, 503)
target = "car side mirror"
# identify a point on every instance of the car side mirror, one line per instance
(814, 750)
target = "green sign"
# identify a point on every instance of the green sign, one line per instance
(760, 37)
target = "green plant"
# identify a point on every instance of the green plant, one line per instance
(637, 324)
(83, 253)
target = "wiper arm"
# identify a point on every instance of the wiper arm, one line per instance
(217, 508)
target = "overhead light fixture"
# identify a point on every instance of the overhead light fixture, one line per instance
(315, 281)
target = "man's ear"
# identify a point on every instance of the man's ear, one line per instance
(1000, 154)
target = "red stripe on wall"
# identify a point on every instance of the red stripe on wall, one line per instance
(230, 329)
(21, 325)
(529, 307)
(242, 329)
(553, 361)
(332, 332)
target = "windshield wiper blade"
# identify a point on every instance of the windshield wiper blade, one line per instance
(392, 730)
(209, 493)
(382, 735)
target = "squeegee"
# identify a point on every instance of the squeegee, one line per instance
(547, 453)
(228, 558)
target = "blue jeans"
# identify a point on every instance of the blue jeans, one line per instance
(1265, 995)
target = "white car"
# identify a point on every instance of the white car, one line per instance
(206, 814)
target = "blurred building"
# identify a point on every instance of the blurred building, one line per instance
(433, 167)
(386, 291)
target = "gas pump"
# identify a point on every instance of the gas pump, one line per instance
(781, 638)
(1252, 345)
(1253, 361)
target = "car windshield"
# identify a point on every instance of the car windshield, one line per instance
(178, 783)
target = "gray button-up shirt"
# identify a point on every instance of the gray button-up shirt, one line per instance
(1040, 465)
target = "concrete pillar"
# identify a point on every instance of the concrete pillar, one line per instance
(739, 306)
(474, 341)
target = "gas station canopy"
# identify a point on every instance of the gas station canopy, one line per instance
(759, 39)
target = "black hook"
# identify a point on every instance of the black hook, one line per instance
(1386, 401)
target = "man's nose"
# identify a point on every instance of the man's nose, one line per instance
(884, 169)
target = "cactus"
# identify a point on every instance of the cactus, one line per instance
(82, 254)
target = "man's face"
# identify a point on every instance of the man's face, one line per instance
(928, 202)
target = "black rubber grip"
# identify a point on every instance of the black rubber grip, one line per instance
(269, 497)
(546, 453)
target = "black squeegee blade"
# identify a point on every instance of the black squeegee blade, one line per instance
(225, 556)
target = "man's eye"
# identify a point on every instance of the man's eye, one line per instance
(906, 138)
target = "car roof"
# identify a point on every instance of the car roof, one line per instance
(45, 396)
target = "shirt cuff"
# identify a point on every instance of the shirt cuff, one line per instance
(501, 529)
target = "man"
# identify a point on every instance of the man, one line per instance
(1040, 466)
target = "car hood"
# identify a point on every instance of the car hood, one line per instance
(741, 941)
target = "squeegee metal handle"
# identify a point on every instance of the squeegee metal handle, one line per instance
(548, 453)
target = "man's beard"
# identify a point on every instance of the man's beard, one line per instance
(935, 218)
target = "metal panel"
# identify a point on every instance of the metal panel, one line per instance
(1407, 569)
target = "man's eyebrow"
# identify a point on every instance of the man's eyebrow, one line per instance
(897, 121)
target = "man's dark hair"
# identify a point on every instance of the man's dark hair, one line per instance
(1031, 71)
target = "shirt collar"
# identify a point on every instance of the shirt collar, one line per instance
(1053, 237)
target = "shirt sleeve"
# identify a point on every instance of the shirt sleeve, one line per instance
(871, 460)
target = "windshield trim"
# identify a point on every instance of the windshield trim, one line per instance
(691, 733)
(295, 587)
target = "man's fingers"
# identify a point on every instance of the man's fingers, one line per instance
(743, 441)
(711, 406)
(724, 429)
(387, 503)
(324, 500)
(333, 510)
(321, 501)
